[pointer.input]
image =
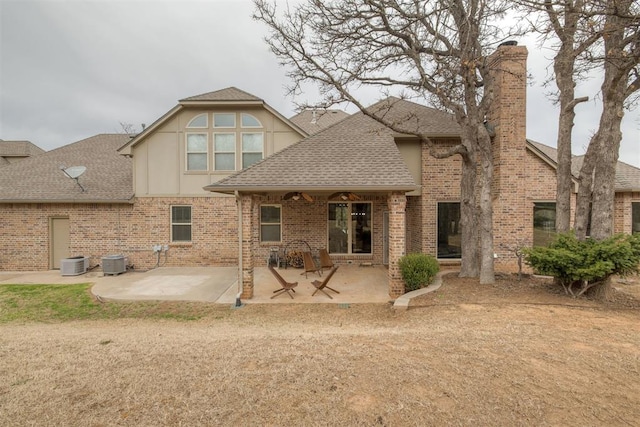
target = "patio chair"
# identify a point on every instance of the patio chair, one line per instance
(325, 260)
(286, 286)
(310, 265)
(320, 286)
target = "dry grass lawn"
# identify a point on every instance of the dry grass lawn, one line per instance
(517, 353)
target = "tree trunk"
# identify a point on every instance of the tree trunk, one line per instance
(470, 261)
(487, 272)
(564, 79)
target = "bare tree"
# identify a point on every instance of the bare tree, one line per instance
(619, 58)
(566, 25)
(427, 50)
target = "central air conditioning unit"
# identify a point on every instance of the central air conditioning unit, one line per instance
(74, 266)
(114, 264)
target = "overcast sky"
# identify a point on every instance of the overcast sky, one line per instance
(73, 69)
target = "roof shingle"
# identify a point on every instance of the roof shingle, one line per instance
(39, 179)
(357, 153)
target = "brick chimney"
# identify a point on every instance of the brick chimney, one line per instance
(512, 213)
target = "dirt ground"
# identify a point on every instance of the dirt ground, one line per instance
(514, 353)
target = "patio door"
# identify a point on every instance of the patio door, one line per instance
(350, 227)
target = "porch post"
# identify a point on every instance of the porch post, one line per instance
(397, 203)
(247, 245)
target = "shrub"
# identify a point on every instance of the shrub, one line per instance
(418, 270)
(580, 265)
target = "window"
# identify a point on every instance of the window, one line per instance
(224, 120)
(199, 121)
(349, 228)
(544, 223)
(248, 121)
(449, 230)
(224, 151)
(180, 223)
(635, 217)
(197, 157)
(270, 223)
(252, 145)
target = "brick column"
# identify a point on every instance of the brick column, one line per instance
(397, 203)
(247, 245)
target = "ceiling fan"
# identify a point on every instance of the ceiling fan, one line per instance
(297, 196)
(344, 196)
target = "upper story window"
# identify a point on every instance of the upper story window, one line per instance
(197, 152)
(199, 121)
(224, 151)
(224, 120)
(252, 148)
(248, 121)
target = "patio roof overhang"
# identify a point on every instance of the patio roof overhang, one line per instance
(258, 189)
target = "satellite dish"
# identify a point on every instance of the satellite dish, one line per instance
(74, 173)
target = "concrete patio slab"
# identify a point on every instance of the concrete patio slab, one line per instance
(356, 284)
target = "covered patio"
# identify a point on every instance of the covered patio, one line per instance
(343, 189)
(356, 284)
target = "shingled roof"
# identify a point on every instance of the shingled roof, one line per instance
(313, 121)
(357, 153)
(38, 179)
(231, 94)
(627, 176)
(19, 149)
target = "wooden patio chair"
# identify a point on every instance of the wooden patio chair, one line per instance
(320, 286)
(325, 260)
(286, 286)
(310, 265)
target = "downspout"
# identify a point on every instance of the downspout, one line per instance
(238, 303)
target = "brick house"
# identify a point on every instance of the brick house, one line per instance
(222, 178)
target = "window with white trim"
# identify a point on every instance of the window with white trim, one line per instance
(270, 223)
(197, 152)
(252, 148)
(224, 120)
(249, 121)
(180, 223)
(224, 151)
(199, 121)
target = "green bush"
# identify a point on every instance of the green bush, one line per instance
(583, 264)
(418, 270)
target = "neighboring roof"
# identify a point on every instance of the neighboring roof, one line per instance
(38, 179)
(19, 149)
(230, 96)
(627, 176)
(313, 120)
(357, 154)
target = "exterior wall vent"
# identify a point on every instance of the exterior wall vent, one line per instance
(114, 264)
(74, 266)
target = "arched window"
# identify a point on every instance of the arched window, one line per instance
(199, 121)
(248, 121)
